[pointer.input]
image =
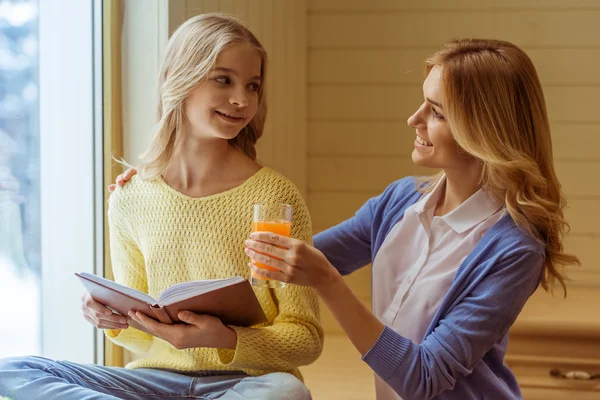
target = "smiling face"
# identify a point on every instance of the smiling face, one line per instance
(435, 146)
(223, 104)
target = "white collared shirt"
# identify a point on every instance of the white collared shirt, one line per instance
(418, 260)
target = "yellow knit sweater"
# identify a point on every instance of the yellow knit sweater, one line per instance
(160, 237)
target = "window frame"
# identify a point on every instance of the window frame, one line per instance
(70, 56)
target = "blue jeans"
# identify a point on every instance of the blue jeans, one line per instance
(33, 378)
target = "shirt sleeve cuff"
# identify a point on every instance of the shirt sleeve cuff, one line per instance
(388, 353)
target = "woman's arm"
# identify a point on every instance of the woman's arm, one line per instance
(463, 337)
(450, 352)
(347, 245)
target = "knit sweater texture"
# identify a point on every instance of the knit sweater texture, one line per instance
(160, 237)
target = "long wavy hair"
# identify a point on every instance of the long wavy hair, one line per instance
(190, 55)
(495, 107)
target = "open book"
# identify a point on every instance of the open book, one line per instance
(232, 300)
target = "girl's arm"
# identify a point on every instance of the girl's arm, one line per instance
(128, 269)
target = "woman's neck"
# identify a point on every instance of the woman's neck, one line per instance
(459, 186)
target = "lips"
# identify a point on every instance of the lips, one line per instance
(423, 142)
(233, 116)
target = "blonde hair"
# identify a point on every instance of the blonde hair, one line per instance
(190, 55)
(495, 107)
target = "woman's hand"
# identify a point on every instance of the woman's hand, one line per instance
(100, 316)
(297, 262)
(198, 331)
(122, 179)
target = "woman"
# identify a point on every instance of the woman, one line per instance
(455, 256)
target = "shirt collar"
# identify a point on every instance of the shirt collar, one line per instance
(476, 209)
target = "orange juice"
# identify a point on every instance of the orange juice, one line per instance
(270, 217)
(280, 227)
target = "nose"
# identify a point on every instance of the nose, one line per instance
(239, 97)
(417, 120)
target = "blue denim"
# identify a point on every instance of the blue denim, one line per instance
(32, 378)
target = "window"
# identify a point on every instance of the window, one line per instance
(20, 242)
(51, 206)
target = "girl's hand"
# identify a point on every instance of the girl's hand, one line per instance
(297, 262)
(100, 316)
(198, 331)
(122, 179)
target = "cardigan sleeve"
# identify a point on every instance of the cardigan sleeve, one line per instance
(462, 337)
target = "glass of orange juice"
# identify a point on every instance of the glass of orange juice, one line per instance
(276, 218)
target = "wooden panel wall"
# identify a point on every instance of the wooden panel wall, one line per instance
(365, 71)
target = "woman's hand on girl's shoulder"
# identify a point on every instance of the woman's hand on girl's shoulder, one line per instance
(122, 179)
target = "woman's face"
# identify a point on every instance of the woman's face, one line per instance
(435, 146)
(223, 104)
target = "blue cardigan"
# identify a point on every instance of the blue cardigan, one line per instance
(462, 354)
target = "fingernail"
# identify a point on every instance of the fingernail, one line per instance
(108, 312)
(252, 235)
(247, 243)
(247, 250)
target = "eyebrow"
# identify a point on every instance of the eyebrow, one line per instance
(233, 72)
(435, 103)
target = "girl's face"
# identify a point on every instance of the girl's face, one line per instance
(222, 105)
(435, 146)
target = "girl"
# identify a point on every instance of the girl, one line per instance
(184, 218)
(455, 256)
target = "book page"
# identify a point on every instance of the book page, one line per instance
(186, 290)
(136, 294)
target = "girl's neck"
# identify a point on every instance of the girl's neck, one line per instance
(202, 168)
(195, 161)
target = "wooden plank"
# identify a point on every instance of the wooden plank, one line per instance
(352, 103)
(339, 373)
(331, 208)
(374, 174)
(397, 103)
(583, 217)
(579, 178)
(360, 138)
(358, 175)
(338, 138)
(406, 66)
(584, 247)
(317, 6)
(574, 141)
(414, 29)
